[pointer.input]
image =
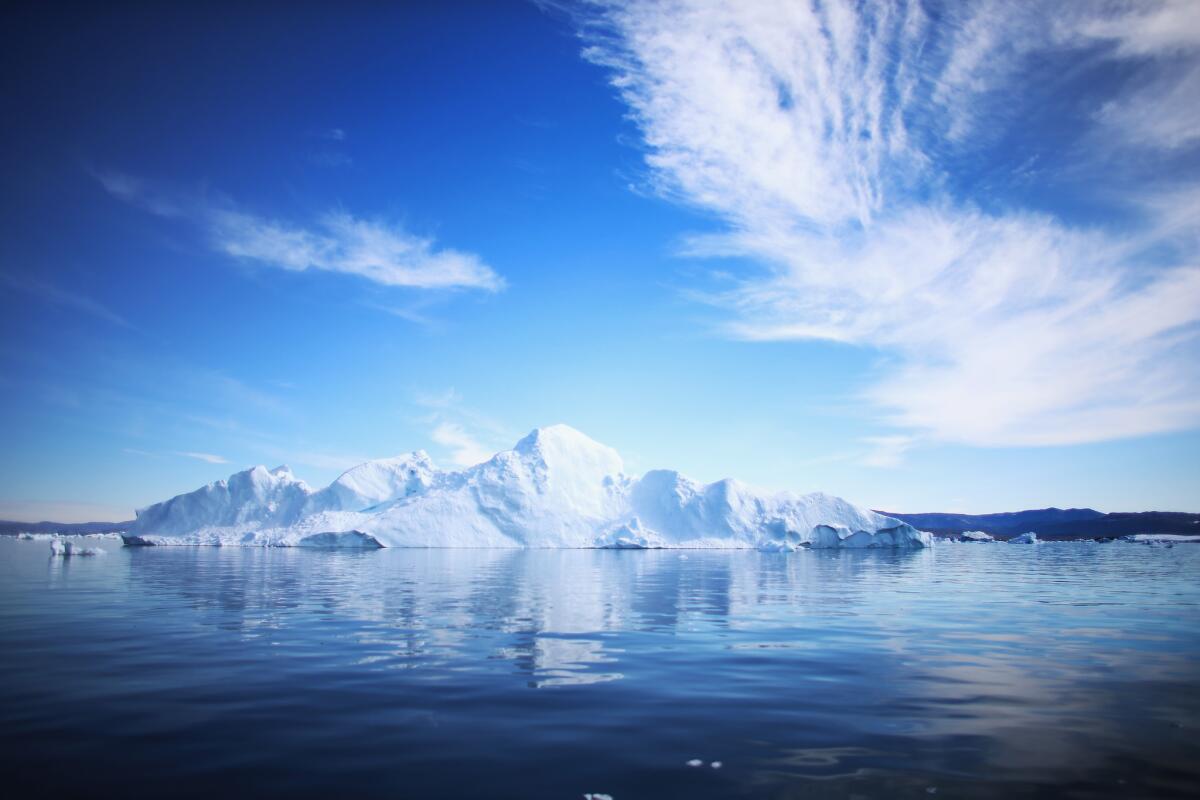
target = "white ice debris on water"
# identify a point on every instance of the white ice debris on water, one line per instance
(597, 796)
(1161, 538)
(1024, 538)
(695, 762)
(555, 489)
(975, 536)
(66, 548)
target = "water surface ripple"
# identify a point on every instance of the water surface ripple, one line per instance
(963, 671)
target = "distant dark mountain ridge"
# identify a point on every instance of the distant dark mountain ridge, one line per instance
(1014, 521)
(1056, 523)
(10, 527)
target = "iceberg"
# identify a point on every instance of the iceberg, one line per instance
(975, 536)
(556, 488)
(1024, 538)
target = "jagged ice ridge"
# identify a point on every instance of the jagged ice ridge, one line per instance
(555, 489)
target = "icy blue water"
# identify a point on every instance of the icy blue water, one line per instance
(966, 671)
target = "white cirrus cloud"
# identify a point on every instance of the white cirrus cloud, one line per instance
(375, 249)
(73, 300)
(465, 450)
(205, 457)
(338, 242)
(467, 436)
(827, 137)
(1164, 108)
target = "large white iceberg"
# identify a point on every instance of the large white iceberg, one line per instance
(556, 488)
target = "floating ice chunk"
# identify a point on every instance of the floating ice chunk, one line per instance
(975, 536)
(60, 547)
(1161, 538)
(1024, 538)
(597, 796)
(716, 765)
(631, 535)
(695, 762)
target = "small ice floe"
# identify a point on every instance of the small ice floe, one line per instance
(695, 762)
(716, 765)
(1024, 538)
(597, 796)
(1161, 538)
(59, 547)
(930, 790)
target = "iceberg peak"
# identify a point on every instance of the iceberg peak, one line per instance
(561, 447)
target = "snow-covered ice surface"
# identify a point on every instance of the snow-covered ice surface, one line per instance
(555, 489)
(48, 536)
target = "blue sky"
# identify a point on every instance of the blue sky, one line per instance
(923, 256)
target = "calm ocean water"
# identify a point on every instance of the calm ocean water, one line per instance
(966, 671)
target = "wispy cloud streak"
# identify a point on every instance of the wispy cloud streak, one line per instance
(62, 297)
(377, 250)
(467, 436)
(465, 450)
(825, 136)
(206, 457)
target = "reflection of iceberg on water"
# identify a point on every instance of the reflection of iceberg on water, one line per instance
(557, 661)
